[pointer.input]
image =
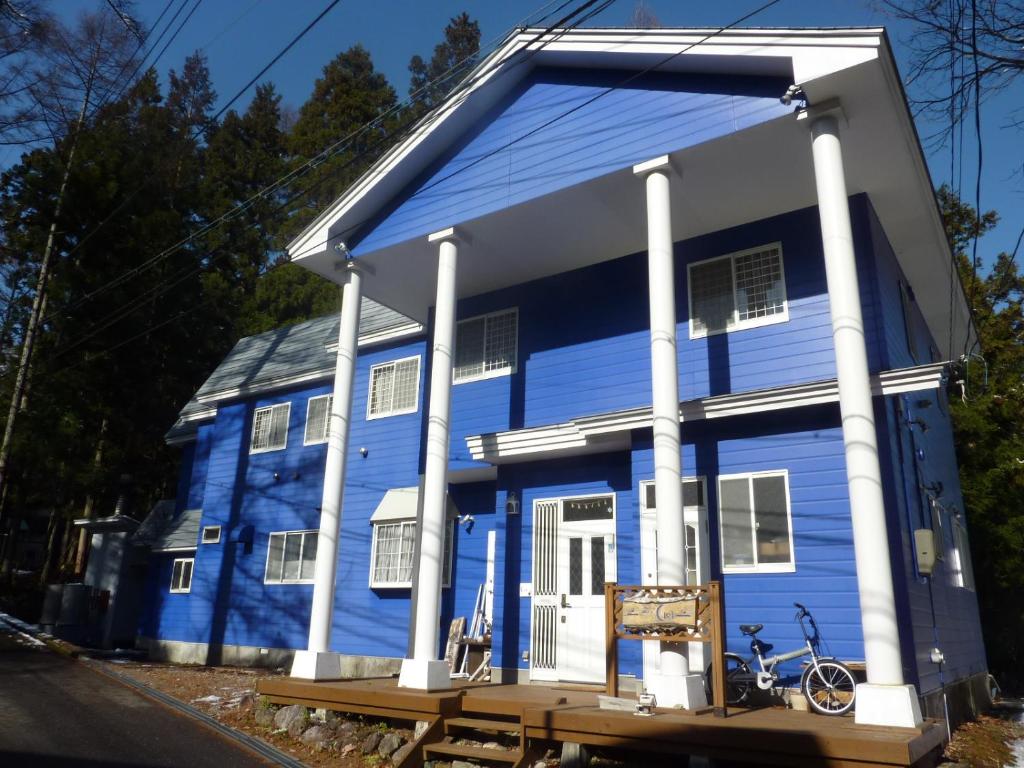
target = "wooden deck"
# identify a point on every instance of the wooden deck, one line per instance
(543, 714)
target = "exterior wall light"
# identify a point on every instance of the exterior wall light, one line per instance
(512, 504)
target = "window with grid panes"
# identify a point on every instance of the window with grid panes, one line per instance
(291, 557)
(318, 419)
(486, 346)
(756, 526)
(741, 290)
(181, 575)
(393, 550)
(963, 570)
(270, 428)
(394, 388)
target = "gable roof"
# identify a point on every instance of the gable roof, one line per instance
(282, 358)
(600, 218)
(162, 531)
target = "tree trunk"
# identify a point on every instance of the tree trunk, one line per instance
(90, 501)
(51, 541)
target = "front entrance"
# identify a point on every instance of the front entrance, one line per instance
(698, 571)
(573, 557)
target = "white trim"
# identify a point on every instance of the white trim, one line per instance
(327, 420)
(497, 372)
(302, 547)
(171, 550)
(179, 590)
(271, 408)
(401, 411)
(737, 324)
(756, 567)
(610, 431)
(212, 540)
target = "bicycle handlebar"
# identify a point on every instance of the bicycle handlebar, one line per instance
(803, 611)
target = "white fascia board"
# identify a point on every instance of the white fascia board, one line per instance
(599, 433)
(807, 53)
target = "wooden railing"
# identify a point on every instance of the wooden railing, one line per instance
(694, 614)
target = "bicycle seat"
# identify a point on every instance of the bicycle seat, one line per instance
(751, 629)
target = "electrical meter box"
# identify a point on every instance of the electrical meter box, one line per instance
(924, 546)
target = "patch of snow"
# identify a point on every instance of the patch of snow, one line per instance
(1018, 745)
(211, 699)
(25, 632)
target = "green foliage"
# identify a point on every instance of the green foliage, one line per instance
(453, 58)
(989, 424)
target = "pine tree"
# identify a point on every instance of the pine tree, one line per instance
(453, 59)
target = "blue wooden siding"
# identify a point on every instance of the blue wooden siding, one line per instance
(808, 445)
(569, 126)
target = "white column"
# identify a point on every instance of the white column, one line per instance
(674, 685)
(885, 700)
(424, 670)
(318, 663)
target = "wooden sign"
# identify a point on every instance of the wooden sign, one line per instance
(656, 613)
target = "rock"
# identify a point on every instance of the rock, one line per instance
(372, 741)
(463, 764)
(345, 729)
(421, 728)
(348, 749)
(265, 716)
(401, 753)
(290, 714)
(540, 764)
(315, 736)
(247, 701)
(297, 728)
(492, 745)
(389, 744)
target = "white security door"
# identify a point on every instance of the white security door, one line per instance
(695, 520)
(584, 559)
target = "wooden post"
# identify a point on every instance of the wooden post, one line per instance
(717, 595)
(611, 646)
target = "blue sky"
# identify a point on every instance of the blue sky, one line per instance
(240, 36)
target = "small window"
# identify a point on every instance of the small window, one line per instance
(211, 534)
(757, 532)
(963, 569)
(906, 304)
(291, 557)
(693, 493)
(394, 388)
(486, 346)
(270, 428)
(181, 575)
(741, 290)
(318, 419)
(394, 547)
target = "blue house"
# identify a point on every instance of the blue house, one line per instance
(647, 306)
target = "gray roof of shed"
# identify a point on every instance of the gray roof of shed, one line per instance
(279, 357)
(161, 531)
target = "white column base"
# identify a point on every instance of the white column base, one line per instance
(891, 705)
(425, 675)
(682, 691)
(316, 665)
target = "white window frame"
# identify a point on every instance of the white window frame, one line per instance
(393, 364)
(252, 436)
(179, 589)
(737, 324)
(327, 422)
(756, 566)
(213, 539)
(508, 370)
(302, 547)
(449, 548)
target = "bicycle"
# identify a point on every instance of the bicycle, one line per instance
(828, 685)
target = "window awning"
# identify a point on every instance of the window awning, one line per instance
(400, 504)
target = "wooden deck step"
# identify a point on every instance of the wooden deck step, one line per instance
(472, 753)
(480, 724)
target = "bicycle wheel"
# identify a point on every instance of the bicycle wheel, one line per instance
(738, 680)
(829, 688)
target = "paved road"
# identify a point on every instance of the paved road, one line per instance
(57, 712)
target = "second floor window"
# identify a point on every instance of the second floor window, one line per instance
(270, 428)
(486, 346)
(318, 419)
(291, 557)
(741, 290)
(394, 388)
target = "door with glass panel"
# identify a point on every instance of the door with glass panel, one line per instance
(695, 543)
(574, 555)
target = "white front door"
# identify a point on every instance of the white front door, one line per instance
(574, 555)
(698, 571)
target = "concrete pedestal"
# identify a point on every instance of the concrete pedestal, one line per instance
(891, 705)
(316, 665)
(683, 691)
(425, 675)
